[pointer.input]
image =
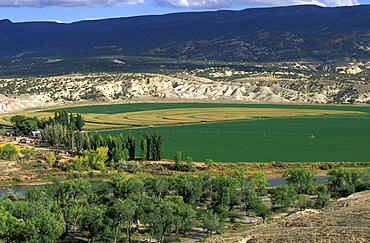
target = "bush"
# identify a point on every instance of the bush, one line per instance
(171, 238)
(346, 190)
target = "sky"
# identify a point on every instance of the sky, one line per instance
(68, 11)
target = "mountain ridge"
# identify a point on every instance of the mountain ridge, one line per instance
(40, 39)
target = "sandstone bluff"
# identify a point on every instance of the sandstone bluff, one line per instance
(32, 93)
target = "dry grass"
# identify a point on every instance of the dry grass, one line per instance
(199, 115)
(167, 117)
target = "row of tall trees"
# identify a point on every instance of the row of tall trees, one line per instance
(114, 151)
(25, 125)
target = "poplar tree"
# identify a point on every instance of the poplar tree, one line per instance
(145, 146)
(131, 146)
(156, 145)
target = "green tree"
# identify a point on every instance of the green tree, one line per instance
(258, 182)
(122, 212)
(322, 196)
(212, 222)
(69, 139)
(61, 117)
(186, 215)
(79, 122)
(50, 158)
(157, 186)
(145, 146)
(210, 164)
(283, 196)
(114, 145)
(9, 151)
(262, 211)
(189, 188)
(54, 134)
(119, 154)
(250, 200)
(124, 188)
(336, 178)
(131, 146)
(36, 222)
(8, 223)
(302, 201)
(354, 176)
(224, 193)
(28, 126)
(92, 221)
(23, 124)
(17, 121)
(78, 141)
(301, 179)
(57, 190)
(177, 157)
(159, 216)
(96, 140)
(85, 141)
(156, 146)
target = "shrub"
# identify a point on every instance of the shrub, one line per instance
(9, 151)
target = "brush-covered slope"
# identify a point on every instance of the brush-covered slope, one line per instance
(34, 39)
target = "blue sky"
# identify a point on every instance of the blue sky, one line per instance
(74, 10)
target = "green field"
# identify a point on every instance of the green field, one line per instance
(336, 138)
(262, 139)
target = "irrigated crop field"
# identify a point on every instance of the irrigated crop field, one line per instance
(241, 132)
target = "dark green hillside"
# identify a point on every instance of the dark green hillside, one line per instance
(263, 46)
(40, 39)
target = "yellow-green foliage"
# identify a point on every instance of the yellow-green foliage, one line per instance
(91, 159)
(9, 151)
(50, 158)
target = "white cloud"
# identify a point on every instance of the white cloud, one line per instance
(192, 4)
(216, 4)
(67, 3)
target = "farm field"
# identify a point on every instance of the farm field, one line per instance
(259, 132)
(266, 140)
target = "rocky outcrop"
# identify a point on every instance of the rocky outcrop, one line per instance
(214, 91)
(43, 92)
(9, 105)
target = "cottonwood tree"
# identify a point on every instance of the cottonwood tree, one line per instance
(189, 187)
(157, 186)
(212, 222)
(283, 196)
(160, 216)
(301, 179)
(122, 213)
(258, 182)
(9, 151)
(93, 222)
(8, 224)
(224, 194)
